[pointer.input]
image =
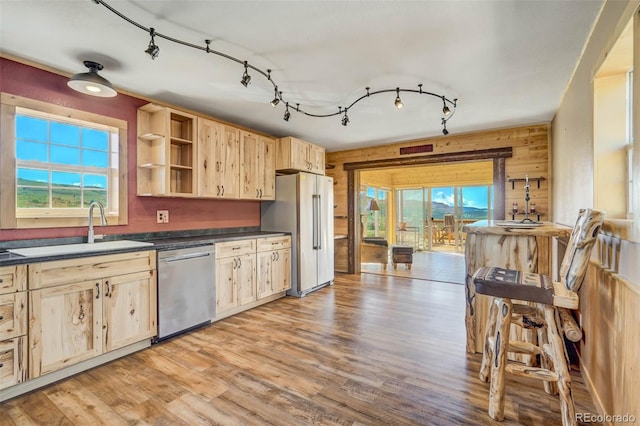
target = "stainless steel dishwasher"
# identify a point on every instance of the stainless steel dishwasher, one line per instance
(186, 290)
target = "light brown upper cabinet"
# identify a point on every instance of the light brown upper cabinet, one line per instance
(166, 151)
(218, 160)
(184, 155)
(297, 155)
(257, 167)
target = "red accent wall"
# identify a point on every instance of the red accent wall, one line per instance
(184, 214)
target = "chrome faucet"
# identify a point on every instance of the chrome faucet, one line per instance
(103, 221)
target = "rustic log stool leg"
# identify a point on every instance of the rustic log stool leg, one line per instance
(556, 351)
(550, 387)
(490, 331)
(499, 361)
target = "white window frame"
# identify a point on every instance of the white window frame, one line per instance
(630, 141)
(10, 216)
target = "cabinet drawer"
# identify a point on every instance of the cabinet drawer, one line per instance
(235, 248)
(274, 243)
(13, 278)
(13, 315)
(13, 357)
(48, 274)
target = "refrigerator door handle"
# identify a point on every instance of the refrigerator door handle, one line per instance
(315, 209)
(319, 222)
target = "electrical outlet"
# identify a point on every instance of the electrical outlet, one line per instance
(162, 216)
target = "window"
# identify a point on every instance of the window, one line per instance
(62, 165)
(374, 222)
(63, 160)
(613, 129)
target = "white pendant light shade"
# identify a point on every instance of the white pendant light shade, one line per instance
(92, 83)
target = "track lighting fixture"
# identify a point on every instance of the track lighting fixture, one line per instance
(92, 83)
(398, 103)
(246, 78)
(153, 50)
(276, 99)
(448, 108)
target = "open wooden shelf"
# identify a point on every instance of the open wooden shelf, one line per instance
(165, 151)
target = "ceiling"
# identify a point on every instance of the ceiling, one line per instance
(508, 62)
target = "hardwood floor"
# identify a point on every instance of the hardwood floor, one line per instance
(370, 350)
(431, 266)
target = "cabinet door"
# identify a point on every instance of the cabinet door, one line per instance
(246, 278)
(13, 361)
(129, 304)
(317, 159)
(268, 169)
(250, 174)
(226, 292)
(66, 326)
(210, 140)
(282, 271)
(264, 267)
(229, 170)
(299, 155)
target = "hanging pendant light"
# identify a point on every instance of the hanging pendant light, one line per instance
(92, 83)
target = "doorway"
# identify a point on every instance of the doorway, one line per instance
(496, 156)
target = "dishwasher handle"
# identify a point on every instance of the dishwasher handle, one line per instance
(186, 257)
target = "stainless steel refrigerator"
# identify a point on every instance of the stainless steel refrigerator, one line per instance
(304, 207)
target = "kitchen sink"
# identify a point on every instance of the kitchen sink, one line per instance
(78, 248)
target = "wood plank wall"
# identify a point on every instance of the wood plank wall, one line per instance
(438, 175)
(610, 319)
(530, 156)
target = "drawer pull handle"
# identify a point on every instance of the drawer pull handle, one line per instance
(81, 316)
(1, 317)
(1, 365)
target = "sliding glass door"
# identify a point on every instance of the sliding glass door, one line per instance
(431, 218)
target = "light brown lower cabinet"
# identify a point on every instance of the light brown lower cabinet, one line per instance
(82, 308)
(235, 274)
(274, 265)
(251, 272)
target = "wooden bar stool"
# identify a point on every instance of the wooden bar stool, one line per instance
(543, 314)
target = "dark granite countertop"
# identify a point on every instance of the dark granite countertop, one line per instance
(160, 240)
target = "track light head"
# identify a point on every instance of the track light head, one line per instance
(153, 50)
(445, 109)
(345, 118)
(276, 99)
(246, 78)
(92, 83)
(398, 103)
(287, 114)
(444, 127)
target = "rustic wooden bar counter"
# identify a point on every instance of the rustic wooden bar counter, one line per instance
(489, 244)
